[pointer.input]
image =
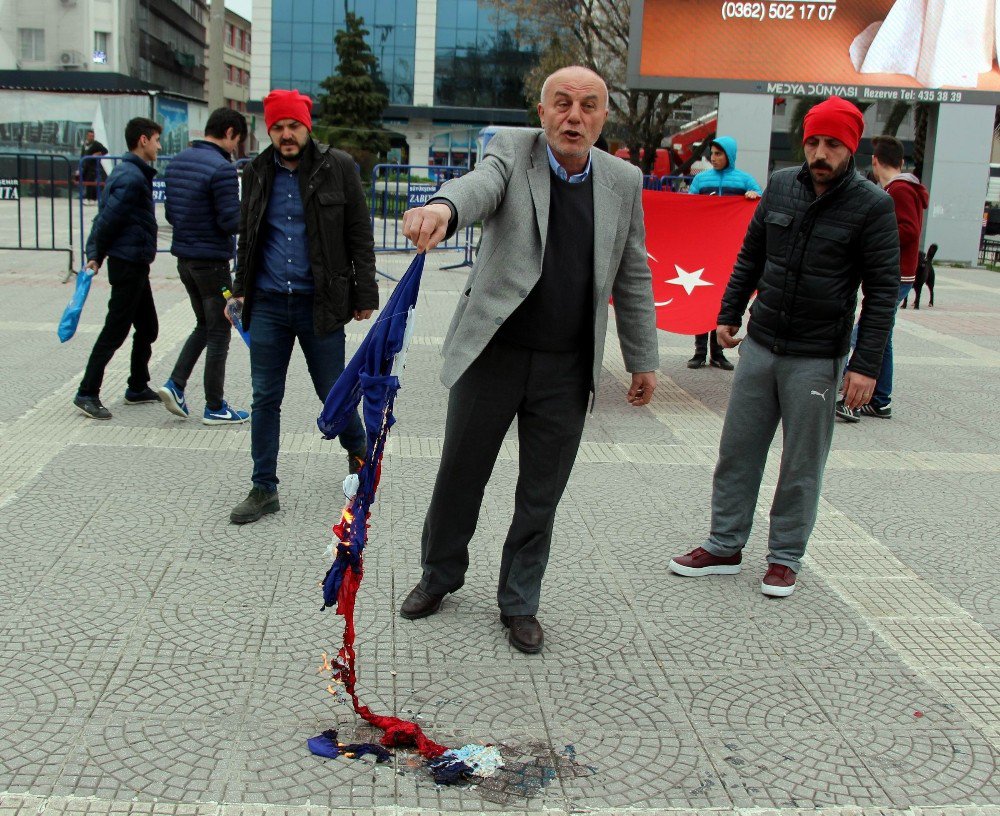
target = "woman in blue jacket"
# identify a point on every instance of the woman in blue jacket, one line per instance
(722, 179)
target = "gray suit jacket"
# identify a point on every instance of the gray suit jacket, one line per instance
(509, 192)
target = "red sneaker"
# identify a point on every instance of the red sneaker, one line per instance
(779, 581)
(701, 562)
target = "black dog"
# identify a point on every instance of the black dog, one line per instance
(925, 275)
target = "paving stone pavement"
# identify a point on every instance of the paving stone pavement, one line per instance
(156, 660)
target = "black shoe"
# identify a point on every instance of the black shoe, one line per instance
(141, 397)
(257, 503)
(885, 412)
(525, 632)
(722, 362)
(698, 361)
(845, 413)
(355, 461)
(92, 407)
(419, 604)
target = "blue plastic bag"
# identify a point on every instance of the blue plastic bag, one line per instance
(71, 316)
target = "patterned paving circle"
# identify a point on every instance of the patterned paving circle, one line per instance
(933, 768)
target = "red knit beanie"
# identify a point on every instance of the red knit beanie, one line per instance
(834, 117)
(280, 105)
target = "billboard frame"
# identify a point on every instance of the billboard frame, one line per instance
(861, 92)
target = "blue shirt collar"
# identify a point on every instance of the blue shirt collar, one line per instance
(560, 171)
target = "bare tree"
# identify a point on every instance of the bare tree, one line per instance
(595, 34)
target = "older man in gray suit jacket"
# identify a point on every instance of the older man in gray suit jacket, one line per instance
(562, 231)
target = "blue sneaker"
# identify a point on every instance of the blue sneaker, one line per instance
(224, 415)
(173, 399)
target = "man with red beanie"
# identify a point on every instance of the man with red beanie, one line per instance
(818, 233)
(305, 266)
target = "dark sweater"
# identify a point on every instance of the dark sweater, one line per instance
(558, 313)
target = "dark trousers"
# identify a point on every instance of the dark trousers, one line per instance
(701, 342)
(131, 304)
(547, 392)
(204, 281)
(278, 320)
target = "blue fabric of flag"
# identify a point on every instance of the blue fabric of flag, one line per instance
(368, 377)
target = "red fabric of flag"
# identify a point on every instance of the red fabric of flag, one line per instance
(692, 242)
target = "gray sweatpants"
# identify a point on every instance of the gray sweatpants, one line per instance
(801, 393)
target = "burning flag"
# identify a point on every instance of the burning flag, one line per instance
(372, 378)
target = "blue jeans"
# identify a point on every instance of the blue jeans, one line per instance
(882, 395)
(277, 321)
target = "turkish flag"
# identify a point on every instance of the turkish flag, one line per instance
(692, 242)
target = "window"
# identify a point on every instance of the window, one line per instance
(32, 41)
(482, 56)
(102, 47)
(230, 34)
(248, 42)
(243, 39)
(246, 78)
(229, 73)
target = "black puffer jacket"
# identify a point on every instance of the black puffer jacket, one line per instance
(341, 247)
(805, 256)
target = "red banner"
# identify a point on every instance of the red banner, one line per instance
(692, 242)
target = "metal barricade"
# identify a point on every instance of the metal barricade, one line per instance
(675, 184)
(396, 188)
(100, 180)
(34, 184)
(651, 183)
(989, 251)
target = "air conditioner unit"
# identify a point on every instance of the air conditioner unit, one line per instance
(70, 59)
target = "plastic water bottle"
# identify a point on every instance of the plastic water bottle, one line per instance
(235, 311)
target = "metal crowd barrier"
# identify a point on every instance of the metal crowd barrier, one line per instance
(671, 184)
(989, 251)
(33, 184)
(396, 188)
(159, 192)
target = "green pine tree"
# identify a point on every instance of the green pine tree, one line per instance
(354, 99)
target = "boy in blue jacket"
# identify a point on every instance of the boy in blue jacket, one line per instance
(722, 179)
(203, 206)
(124, 232)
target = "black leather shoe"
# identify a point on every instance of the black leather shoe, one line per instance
(420, 604)
(722, 362)
(257, 503)
(525, 632)
(698, 361)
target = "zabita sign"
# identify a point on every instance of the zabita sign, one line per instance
(900, 50)
(9, 189)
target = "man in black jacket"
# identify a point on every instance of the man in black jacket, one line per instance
(124, 232)
(305, 267)
(818, 233)
(203, 207)
(91, 172)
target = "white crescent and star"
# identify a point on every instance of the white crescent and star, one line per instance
(689, 280)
